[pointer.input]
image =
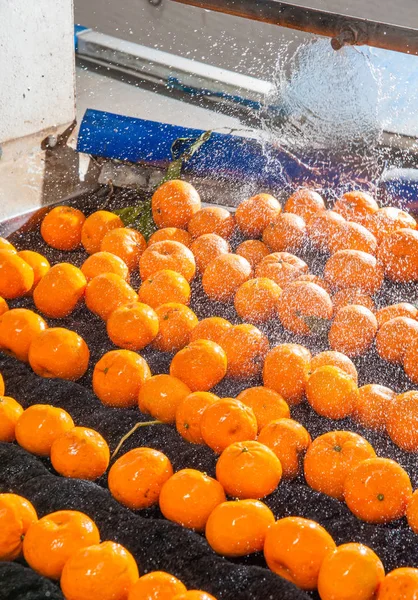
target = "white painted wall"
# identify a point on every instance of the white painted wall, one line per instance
(36, 66)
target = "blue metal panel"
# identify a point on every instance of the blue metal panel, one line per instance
(78, 29)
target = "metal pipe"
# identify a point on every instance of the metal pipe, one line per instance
(344, 30)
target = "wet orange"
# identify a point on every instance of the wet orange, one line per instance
(60, 291)
(373, 405)
(402, 309)
(39, 264)
(2, 386)
(105, 293)
(59, 352)
(100, 263)
(4, 307)
(18, 327)
(194, 595)
(52, 540)
(176, 322)
(254, 214)
(189, 415)
(200, 365)
(206, 248)
(16, 275)
(387, 220)
(410, 362)
(212, 219)
(238, 528)
(136, 478)
(331, 457)
(354, 269)
(95, 228)
(281, 267)
(305, 203)
(61, 227)
(322, 227)
(164, 286)
(39, 426)
(267, 405)
(334, 359)
(157, 585)
(248, 470)
(246, 348)
(286, 232)
(118, 376)
(348, 296)
(402, 421)
(80, 452)
(16, 516)
(132, 326)
(211, 328)
(394, 337)
(399, 584)
(352, 236)
(167, 255)
(257, 300)
(398, 253)
(289, 441)
(189, 497)
(128, 244)
(106, 571)
(174, 203)
(377, 490)
(309, 277)
(295, 549)
(286, 370)
(304, 307)
(10, 411)
(224, 275)
(6, 245)
(253, 250)
(351, 572)
(412, 512)
(161, 395)
(356, 206)
(332, 392)
(227, 421)
(174, 234)
(353, 330)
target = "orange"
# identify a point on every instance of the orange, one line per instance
(303, 307)
(267, 405)
(61, 227)
(194, 595)
(410, 361)
(16, 516)
(254, 214)
(352, 236)
(322, 227)
(6, 245)
(189, 415)
(174, 203)
(212, 219)
(16, 276)
(189, 497)
(245, 347)
(248, 470)
(39, 426)
(136, 478)
(60, 291)
(289, 441)
(173, 234)
(200, 365)
(107, 292)
(104, 262)
(295, 549)
(286, 371)
(332, 392)
(18, 327)
(80, 452)
(356, 206)
(227, 421)
(394, 338)
(211, 328)
(348, 296)
(224, 275)
(350, 572)
(52, 540)
(402, 309)
(167, 255)
(59, 352)
(399, 584)
(373, 404)
(398, 252)
(305, 203)
(164, 286)
(353, 330)
(132, 326)
(2, 387)
(238, 528)
(118, 377)
(331, 457)
(106, 571)
(95, 228)
(3, 306)
(157, 585)
(335, 359)
(314, 279)
(161, 395)
(285, 232)
(387, 220)
(206, 248)
(257, 300)
(402, 421)
(281, 267)
(128, 244)
(377, 490)
(253, 250)
(176, 322)
(39, 264)
(352, 268)
(10, 411)
(412, 512)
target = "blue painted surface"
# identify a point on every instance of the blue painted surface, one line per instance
(78, 29)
